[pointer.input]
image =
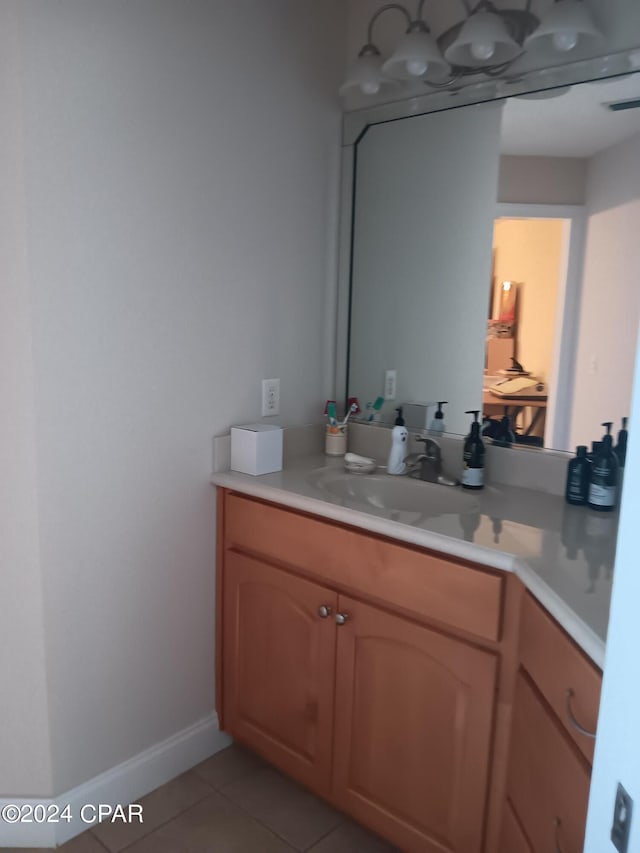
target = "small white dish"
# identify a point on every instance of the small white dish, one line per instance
(355, 464)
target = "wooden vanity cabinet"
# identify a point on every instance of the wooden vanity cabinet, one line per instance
(556, 703)
(548, 784)
(426, 697)
(387, 717)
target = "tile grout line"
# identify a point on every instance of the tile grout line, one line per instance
(273, 831)
(164, 822)
(322, 837)
(272, 768)
(221, 792)
(259, 822)
(95, 838)
(213, 790)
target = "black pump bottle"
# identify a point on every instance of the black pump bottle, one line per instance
(473, 470)
(603, 488)
(621, 447)
(578, 474)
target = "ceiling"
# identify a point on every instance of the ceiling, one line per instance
(575, 124)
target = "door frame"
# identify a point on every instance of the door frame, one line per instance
(565, 339)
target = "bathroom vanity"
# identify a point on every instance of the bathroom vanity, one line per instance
(413, 678)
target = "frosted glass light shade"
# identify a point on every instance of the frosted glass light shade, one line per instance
(483, 40)
(365, 76)
(567, 23)
(416, 54)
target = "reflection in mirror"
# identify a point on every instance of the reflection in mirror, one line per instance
(424, 210)
(554, 294)
(530, 275)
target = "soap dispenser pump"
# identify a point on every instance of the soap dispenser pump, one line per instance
(398, 452)
(473, 470)
(603, 488)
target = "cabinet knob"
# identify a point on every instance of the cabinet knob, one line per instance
(324, 611)
(341, 618)
(576, 725)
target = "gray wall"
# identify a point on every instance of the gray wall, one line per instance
(610, 302)
(25, 760)
(542, 180)
(180, 168)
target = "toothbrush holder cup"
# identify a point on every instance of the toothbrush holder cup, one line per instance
(335, 439)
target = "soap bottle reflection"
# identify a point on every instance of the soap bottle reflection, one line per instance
(573, 530)
(469, 522)
(496, 525)
(599, 547)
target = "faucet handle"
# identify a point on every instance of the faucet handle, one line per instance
(431, 447)
(428, 441)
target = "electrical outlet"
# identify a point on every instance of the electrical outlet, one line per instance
(270, 397)
(390, 377)
(621, 820)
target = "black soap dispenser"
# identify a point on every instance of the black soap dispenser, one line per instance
(621, 447)
(603, 489)
(596, 449)
(473, 455)
(578, 476)
(505, 435)
(437, 424)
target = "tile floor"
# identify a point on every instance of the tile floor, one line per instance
(231, 803)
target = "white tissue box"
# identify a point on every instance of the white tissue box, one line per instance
(416, 415)
(256, 448)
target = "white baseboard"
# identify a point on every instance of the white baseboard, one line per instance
(123, 784)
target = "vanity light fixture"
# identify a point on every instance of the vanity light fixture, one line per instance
(566, 23)
(487, 41)
(416, 54)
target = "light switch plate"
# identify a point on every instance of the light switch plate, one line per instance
(270, 397)
(390, 378)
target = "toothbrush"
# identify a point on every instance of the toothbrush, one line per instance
(331, 414)
(373, 409)
(352, 408)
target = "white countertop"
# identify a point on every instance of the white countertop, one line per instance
(564, 555)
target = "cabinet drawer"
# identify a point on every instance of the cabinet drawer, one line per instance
(450, 592)
(556, 665)
(548, 780)
(513, 839)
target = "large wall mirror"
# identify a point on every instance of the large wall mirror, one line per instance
(501, 237)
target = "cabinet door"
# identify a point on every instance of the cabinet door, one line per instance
(414, 713)
(513, 839)
(279, 667)
(548, 783)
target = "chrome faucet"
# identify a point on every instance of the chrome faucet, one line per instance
(428, 465)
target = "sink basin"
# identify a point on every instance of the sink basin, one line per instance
(395, 495)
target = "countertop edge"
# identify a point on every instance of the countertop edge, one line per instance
(592, 645)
